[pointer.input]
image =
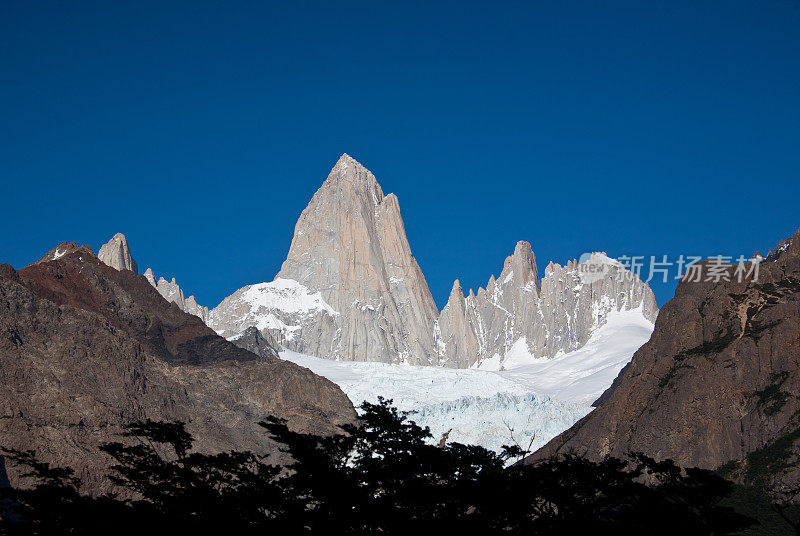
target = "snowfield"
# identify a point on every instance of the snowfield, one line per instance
(529, 403)
(581, 376)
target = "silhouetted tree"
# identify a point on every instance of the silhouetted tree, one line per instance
(53, 505)
(784, 502)
(383, 476)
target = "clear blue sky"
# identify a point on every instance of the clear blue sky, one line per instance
(201, 129)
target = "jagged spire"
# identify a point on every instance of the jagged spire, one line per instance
(172, 292)
(346, 160)
(117, 254)
(456, 295)
(348, 181)
(350, 246)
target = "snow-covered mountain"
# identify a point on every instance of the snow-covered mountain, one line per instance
(351, 290)
(520, 361)
(582, 375)
(518, 312)
(286, 309)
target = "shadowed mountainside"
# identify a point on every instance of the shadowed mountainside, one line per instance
(85, 348)
(718, 382)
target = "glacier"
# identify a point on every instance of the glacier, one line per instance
(526, 402)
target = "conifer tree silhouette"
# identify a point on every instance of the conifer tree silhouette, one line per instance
(385, 475)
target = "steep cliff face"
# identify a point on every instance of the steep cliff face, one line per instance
(457, 329)
(351, 290)
(543, 318)
(85, 348)
(362, 294)
(117, 254)
(718, 381)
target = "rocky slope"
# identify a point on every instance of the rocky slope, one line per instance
(350, 289)
(260, 344)
(718, 382)
(85, 348)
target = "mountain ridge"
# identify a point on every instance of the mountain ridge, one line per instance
(350, 246)
(350, 289)
(87, 348)
(717, 383)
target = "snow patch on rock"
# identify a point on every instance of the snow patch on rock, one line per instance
(286, 295)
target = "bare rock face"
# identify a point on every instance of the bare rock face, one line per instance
(718, 382)
(351, 290)
(85, 348)
(254, 341)
(457, 330)
(117, 254)
(577, 299)
(172, 292)
(518, 311)
(364, 295)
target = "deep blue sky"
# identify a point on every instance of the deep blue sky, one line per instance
(202, 129)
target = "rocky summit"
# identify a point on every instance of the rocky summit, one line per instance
(86, 348)
(117, 254)
(519, 315)
(718, 384)
(350, 289)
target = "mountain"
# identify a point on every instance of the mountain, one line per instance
(117, 254)
(350, 289)
(59, 251)
(172, 292)
(284, 308)
(518, 313)
(717, 384)
(85, 348)
(259, 343)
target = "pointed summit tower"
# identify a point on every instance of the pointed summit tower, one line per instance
(117, 254)
(351, 263)
(456, 332)
(350, 289)
(519, 315)
(350, 245)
